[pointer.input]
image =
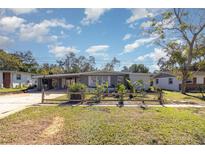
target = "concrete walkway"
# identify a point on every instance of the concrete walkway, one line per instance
(15, 102)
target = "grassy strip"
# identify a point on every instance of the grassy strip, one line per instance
(7, 90)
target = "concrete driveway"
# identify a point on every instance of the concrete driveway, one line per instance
(15, 102)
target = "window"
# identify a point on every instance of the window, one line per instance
(157, 81)
(189, 81)
(119, 79)
(98, 79)
(18, 77)
(170, 80)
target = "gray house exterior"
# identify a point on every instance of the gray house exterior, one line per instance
(59, 81)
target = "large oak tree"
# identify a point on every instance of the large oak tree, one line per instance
(180, 33)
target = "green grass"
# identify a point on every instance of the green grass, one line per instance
(104, 125)
(7, 90)
(190, 97)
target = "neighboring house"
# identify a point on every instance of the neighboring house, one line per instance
(145, 77)
(91, 78)
(170, 82)
(13, 79)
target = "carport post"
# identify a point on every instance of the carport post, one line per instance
(43, 90)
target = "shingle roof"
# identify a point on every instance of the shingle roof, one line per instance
(163, 75)
(79, 74)
(87, 73)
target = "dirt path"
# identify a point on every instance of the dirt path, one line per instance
(54, 128)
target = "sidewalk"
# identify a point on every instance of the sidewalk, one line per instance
(104, 105)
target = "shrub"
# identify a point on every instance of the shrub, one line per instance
(121, 88)
(106, 85)
(131, 85)
(77, 87)
(98, 92)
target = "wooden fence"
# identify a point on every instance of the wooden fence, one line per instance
(97, 98)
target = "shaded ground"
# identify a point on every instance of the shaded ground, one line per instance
(7, 90)
(104, 125)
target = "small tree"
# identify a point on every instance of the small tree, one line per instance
(99, 91)
(132, 87)
(106, 86)
(121, 89)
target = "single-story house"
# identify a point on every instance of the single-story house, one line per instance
(169, 81)
(90, 79)
(13, 79)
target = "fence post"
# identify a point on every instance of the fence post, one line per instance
(82, 97)
(43, 95)
(68, 94)
(161, 97)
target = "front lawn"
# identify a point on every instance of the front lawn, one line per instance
(104, 125)
(10, 90)
(194, 98)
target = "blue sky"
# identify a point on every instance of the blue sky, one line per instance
(102, 33)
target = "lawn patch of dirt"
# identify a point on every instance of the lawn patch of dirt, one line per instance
(54, 127)
(24, 132)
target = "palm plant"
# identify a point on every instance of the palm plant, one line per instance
(121, 89)
(132, 87)
(98, 92)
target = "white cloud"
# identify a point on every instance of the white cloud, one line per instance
(5, 41)
(60, 51)
(131, 47)
(93, 15)
(79, 29)
(154, 67)
(98, 50)
(141, 13)
(146, 24)
(154, 56)
(40, 31)
(127, 37)
(22, 10)
(138, 14)
(10, 24)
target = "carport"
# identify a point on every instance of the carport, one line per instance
(56, 81)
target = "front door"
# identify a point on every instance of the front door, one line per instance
(6, 79)
(194, 80)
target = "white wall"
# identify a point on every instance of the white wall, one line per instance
(163, 83)
(1, 79)
(25, 79)
(200, 79)
(141, 76)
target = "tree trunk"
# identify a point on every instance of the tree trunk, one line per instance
(184, 79)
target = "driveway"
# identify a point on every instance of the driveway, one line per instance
(15, 102)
